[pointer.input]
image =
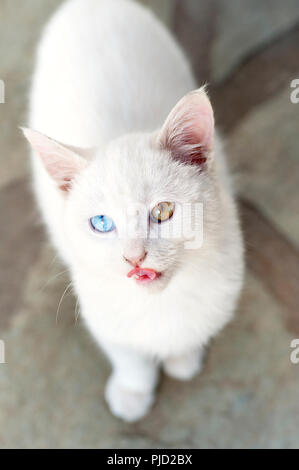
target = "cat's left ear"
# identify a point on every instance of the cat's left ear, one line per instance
(188, 132)
(62, 162)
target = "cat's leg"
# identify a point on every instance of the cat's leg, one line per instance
(186, 366)
(131, 386)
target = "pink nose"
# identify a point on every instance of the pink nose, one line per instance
(135, 260)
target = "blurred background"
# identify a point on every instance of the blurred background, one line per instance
(52, 385)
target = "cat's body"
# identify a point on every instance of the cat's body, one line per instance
(107, 76)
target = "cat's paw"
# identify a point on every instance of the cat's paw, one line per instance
(184, 367)
(127, 404)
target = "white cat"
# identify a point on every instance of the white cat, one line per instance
(118, 172)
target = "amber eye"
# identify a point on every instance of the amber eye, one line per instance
(162, 212)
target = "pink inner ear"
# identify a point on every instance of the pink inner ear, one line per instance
(66, 187)
(61, 162)
(188, 150)
(189, 129)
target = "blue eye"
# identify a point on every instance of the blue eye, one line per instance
(102, 223)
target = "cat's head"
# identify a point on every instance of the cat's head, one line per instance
(131, 206)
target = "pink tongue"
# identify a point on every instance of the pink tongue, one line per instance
(143, 275)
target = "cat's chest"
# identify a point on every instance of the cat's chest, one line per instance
(162, 325)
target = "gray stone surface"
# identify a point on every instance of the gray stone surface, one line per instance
(20, 24)
(164, 9)
(264, 154)
(242, 27)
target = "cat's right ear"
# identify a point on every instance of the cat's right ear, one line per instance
(62, 162)
(188, 132)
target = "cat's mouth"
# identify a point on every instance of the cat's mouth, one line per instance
(144, 275)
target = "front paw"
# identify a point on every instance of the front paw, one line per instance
(184, 367)
(126, 404)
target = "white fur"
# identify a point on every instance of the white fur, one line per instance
(107, 76)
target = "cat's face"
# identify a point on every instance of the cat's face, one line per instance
(132, 205)
(115, 207)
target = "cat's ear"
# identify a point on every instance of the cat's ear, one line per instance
(62, 162)
(188, 131)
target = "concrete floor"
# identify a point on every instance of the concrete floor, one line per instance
(51, 387)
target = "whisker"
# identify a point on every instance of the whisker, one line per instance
(52, 279)
(77, 312)
(60, 302)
